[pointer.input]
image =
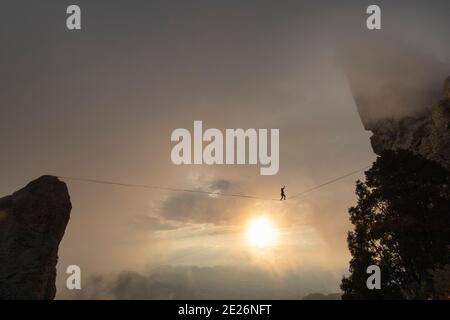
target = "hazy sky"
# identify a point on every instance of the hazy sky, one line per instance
(102, 103)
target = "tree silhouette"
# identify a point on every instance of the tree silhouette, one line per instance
(402, 224)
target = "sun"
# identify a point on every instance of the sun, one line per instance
(261, 232)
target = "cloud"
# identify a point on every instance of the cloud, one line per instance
(151, 223)
(388, 76)
(202, 208)
(219, 282)
(320, 296)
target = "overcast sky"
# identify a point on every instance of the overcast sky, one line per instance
(102, 103)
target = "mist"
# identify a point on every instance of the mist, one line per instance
(219, 282)
(390, 78)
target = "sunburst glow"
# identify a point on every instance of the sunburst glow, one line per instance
(261, 232)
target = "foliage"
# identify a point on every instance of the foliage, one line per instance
(402, 224)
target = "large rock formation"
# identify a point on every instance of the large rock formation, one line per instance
(427, 133)
(397, 89)
(32, 224)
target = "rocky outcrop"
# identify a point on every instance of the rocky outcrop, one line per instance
(397, 88)
(427, 133)
(32, 223)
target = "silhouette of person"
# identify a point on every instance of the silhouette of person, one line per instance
(283, 195)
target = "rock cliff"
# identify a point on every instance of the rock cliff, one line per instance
(397, 89)
(32, 223)
(427, 133)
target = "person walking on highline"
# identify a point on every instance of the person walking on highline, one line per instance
(283, 196)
